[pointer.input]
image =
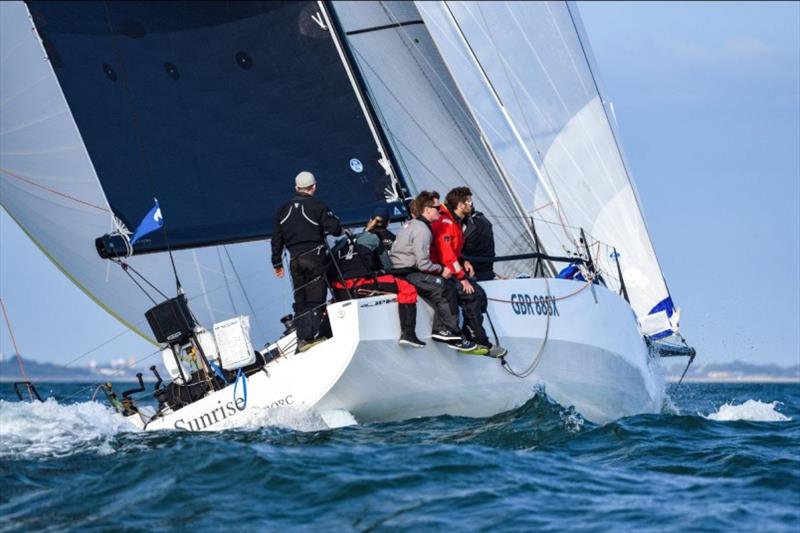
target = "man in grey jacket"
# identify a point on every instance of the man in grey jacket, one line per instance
(411, 257)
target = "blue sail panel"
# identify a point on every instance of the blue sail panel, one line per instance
(212, 108)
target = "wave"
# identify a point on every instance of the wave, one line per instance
(52, 429)
(751, 410)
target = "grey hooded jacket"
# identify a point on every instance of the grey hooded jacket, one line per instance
(412, 248)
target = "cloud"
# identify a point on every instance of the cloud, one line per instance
(736, 52)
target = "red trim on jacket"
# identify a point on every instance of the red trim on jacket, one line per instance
(448, 240)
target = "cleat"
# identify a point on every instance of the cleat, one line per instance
(445, 336)
(463, 345)
(303, 345)
(411, 341)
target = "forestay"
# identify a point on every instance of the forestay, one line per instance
(527, 74)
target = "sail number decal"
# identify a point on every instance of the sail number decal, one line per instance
(525, 304)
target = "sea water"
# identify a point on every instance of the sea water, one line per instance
(722, 457)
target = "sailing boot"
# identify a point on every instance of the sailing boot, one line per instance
(408, 324)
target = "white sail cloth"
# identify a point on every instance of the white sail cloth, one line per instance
(527, 74)
(426, 121)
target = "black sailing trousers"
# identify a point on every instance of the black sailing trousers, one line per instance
(473, 306)
(441, 295)
(310, 292)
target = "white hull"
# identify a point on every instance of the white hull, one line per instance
(593, 358)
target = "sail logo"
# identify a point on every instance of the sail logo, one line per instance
(317, 17)
(525, 304)
(356, 165)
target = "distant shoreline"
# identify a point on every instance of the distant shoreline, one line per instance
(745, 379)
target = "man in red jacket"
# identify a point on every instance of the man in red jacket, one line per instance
(448, 240)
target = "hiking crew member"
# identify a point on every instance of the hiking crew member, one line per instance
(300, 226)
(359, 260)
(376, 236)
(479, 242)
(411, 258)
(448, 241)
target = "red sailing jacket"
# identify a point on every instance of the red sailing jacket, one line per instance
(448, 239)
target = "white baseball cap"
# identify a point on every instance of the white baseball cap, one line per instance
(304, 180)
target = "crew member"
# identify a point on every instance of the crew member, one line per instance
(361, 273)
(479, 242)
(411, 259)
(300, 226)
(448, 241)
(377, 236)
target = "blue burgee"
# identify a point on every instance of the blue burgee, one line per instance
(151, 222)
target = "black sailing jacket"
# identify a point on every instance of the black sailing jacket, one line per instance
(300, 225)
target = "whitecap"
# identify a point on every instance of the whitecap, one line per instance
(751, 410)
(49, 428)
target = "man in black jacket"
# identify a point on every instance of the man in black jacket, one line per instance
(300, 226)
(479, 242)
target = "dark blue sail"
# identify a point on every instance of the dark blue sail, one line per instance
(212, 108)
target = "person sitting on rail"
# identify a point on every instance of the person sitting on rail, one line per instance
(411, 259)
(448, 240)
(479, 242)
(363, 274)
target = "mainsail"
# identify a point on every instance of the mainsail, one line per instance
(526, 72)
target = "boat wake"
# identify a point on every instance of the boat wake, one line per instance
(751, 410)
(53, 429)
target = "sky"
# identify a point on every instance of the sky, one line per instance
(707, 99)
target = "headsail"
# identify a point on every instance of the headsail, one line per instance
(526, 72)
(428, 125)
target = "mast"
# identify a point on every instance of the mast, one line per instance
(388, 160)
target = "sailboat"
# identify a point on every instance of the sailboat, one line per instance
(211, 108)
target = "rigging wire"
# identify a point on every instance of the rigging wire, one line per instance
(556, 201)
(16, 350)
(412, 44)
(241, 286)
(225, 277)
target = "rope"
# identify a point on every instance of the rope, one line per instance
(538, 357)
(539, 354)
(552, 298)
(16, 351)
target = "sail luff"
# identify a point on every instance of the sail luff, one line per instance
(387, 158)
(612, 124)
(529, 62)
(501, 170)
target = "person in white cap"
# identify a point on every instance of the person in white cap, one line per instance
(300, 226)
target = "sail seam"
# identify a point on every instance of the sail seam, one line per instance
(48, 189)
